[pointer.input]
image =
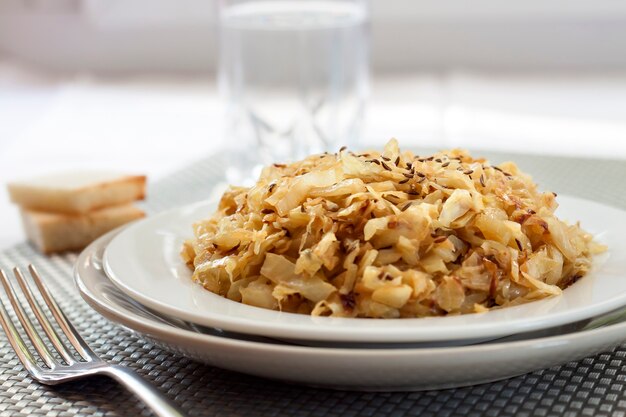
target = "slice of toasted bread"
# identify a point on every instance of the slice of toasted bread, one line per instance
(54, 232)
(77, 192)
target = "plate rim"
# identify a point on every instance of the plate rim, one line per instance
(348, 334)
(162, 328)
(504, 360)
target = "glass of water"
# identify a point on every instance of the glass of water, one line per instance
(293, 75)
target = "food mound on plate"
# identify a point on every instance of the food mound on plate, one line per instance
(388, 235)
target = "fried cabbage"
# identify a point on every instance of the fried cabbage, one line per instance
(388, 235)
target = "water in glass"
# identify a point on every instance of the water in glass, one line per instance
(293, 74)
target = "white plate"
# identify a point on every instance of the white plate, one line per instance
(143, 261)
(363, 369)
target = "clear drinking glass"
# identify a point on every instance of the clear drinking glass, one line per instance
(293, 75)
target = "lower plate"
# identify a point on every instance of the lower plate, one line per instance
(395, 368)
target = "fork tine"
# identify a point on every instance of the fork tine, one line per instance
(34, 337)
(16, 341)
(66, 326)
(43, 319)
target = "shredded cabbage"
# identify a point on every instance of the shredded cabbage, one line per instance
(388, 235)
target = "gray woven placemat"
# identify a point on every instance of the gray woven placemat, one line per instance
(595, 386)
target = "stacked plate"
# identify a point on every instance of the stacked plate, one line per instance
(134, 276)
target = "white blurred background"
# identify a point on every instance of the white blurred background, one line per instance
(407, 35)
(129, 84)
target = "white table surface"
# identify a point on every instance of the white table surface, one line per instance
(153, 124)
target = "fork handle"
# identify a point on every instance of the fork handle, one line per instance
(145, 391)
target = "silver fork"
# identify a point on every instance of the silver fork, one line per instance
(69, 369)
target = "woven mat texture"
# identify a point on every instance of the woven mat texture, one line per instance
(595, 386)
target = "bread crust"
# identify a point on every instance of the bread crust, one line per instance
(81, 199)
(55, 232)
